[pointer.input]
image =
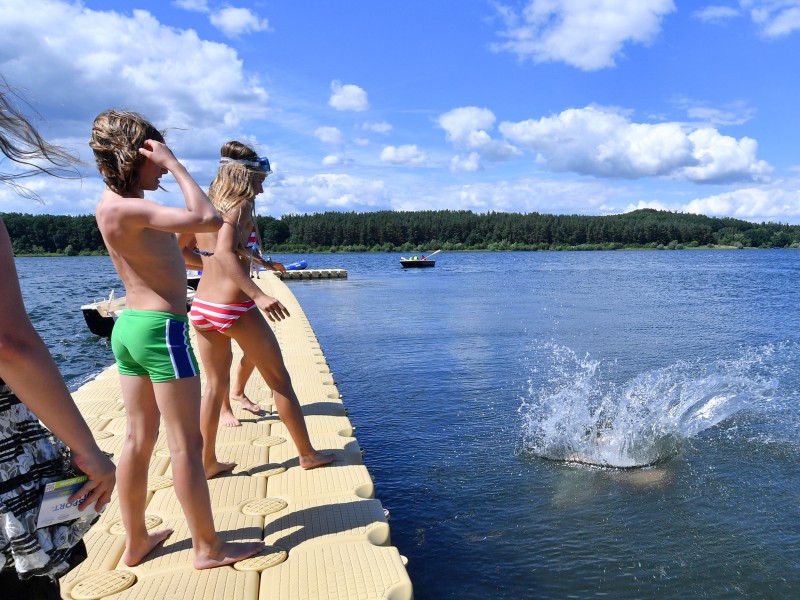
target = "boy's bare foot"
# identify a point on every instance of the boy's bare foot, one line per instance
(217, 468)
(227, 419)
(248, 404)
(312, 461)
(228, 553)
(133, 555)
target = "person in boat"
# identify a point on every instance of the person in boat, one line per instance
(157, 367)
(228, 305)
(35, 405)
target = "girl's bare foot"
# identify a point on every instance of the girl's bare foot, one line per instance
(248, 404)
(312, 461)
(217, 467)
(135, 553)
(227, 419)
(227, 554)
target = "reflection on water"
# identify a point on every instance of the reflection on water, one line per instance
(575, 413)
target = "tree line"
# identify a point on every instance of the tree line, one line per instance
(452, 230)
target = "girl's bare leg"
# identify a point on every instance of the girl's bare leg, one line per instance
(244, 369)
(215, 352)
(259, 344)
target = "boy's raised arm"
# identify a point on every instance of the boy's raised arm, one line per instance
(199, 214)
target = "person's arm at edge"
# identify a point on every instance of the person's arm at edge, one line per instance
(29, 370)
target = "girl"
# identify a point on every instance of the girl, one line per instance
(228, 304)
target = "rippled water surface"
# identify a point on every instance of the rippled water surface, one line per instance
(552, 425)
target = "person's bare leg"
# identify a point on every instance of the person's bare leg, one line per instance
(215, 352)
(179, 404)
(134, 462)
(244, 369)
(259, 344)
(213, 365)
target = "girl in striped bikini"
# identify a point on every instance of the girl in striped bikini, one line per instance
(223, 308)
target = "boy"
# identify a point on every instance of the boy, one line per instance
(158, 370)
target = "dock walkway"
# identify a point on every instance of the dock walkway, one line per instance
(327, 536)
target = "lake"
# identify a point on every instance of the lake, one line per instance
(551, 424)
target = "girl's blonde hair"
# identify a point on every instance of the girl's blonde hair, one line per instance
(235, 182)
(116, 138)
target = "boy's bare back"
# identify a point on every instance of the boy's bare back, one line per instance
(148, 261)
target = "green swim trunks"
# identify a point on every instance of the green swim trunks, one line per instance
(155, 344)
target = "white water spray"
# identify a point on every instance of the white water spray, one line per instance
(575, 415)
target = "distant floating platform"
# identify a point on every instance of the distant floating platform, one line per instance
(312, 274)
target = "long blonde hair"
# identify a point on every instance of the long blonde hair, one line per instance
(22, 144)
(116, 138)
(235, 182)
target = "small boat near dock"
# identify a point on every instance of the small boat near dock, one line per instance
(101, 315)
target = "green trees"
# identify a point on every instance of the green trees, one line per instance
(53, 234)
(465, 230)
(403, 231)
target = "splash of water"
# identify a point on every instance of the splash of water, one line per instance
(575, 414)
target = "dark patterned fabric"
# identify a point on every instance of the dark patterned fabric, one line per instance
(29, 458)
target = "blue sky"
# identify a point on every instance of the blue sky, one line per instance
(552, 106)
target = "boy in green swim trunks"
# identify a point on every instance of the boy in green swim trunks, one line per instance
(158, 370)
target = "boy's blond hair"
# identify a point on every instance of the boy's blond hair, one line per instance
(116, 138)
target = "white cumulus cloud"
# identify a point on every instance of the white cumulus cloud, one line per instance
(587, 34)
(348, 97)
(464, 124)
(466, 164)
(721, 158)
(107, 59)
(403, 155)
(716, 13)
(318, 193)
(331, 160)
(605, 143)
(192, 5)
(328, 135)
(751, 204)
(775, 18)
(234, 22)
(468, 128)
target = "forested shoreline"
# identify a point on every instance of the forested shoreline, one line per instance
(398, 231)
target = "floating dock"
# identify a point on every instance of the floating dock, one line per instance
(327, 536)
(312, 274)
